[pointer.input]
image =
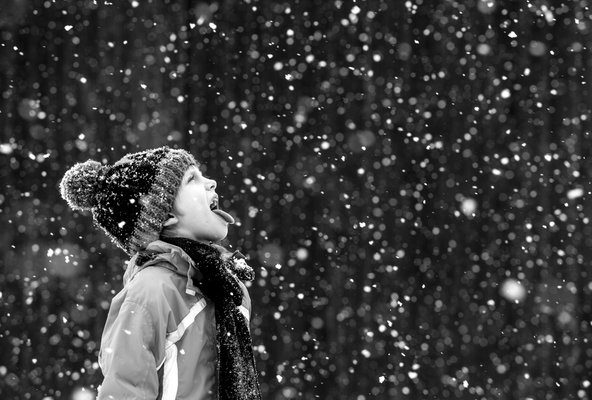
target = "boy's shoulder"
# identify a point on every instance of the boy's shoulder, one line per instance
(155, 282)
(153, 272)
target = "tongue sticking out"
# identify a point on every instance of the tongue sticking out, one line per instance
(224, 215)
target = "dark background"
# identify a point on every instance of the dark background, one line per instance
(411, 181)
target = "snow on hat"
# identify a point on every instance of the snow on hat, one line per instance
(131, 199)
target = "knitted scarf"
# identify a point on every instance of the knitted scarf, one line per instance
(217, 279)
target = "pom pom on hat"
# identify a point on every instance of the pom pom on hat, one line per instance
(80, 185)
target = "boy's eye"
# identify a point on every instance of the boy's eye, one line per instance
(191, 177)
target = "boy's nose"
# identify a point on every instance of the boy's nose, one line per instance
(212, 184)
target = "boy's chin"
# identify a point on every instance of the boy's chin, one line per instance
(218, 236)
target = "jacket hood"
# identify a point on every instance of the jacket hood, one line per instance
(164, 255)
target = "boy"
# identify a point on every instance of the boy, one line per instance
(179, 327)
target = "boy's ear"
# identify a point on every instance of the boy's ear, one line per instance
(172, 220)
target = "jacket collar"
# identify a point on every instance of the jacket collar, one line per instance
(167, 256)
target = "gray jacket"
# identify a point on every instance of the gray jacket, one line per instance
(159, 340)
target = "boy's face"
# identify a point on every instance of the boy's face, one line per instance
(195, 208)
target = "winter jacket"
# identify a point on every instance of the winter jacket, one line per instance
(159, 340)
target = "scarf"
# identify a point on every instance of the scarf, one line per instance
(217, 279)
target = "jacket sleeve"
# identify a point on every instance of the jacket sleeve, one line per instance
(129, 354)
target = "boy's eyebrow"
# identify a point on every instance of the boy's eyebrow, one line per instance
(189, 172)
(193, 170)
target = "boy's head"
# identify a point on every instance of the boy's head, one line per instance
(138, 196)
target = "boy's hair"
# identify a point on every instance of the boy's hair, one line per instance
(131, 199)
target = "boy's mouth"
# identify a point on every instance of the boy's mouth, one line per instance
(222, 214)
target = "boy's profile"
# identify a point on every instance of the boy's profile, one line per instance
(179, 327)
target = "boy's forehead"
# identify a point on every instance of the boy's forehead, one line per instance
(193, 169)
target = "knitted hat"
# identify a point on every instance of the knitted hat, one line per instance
(131, 199)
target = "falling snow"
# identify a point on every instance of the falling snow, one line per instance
(411, 179)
